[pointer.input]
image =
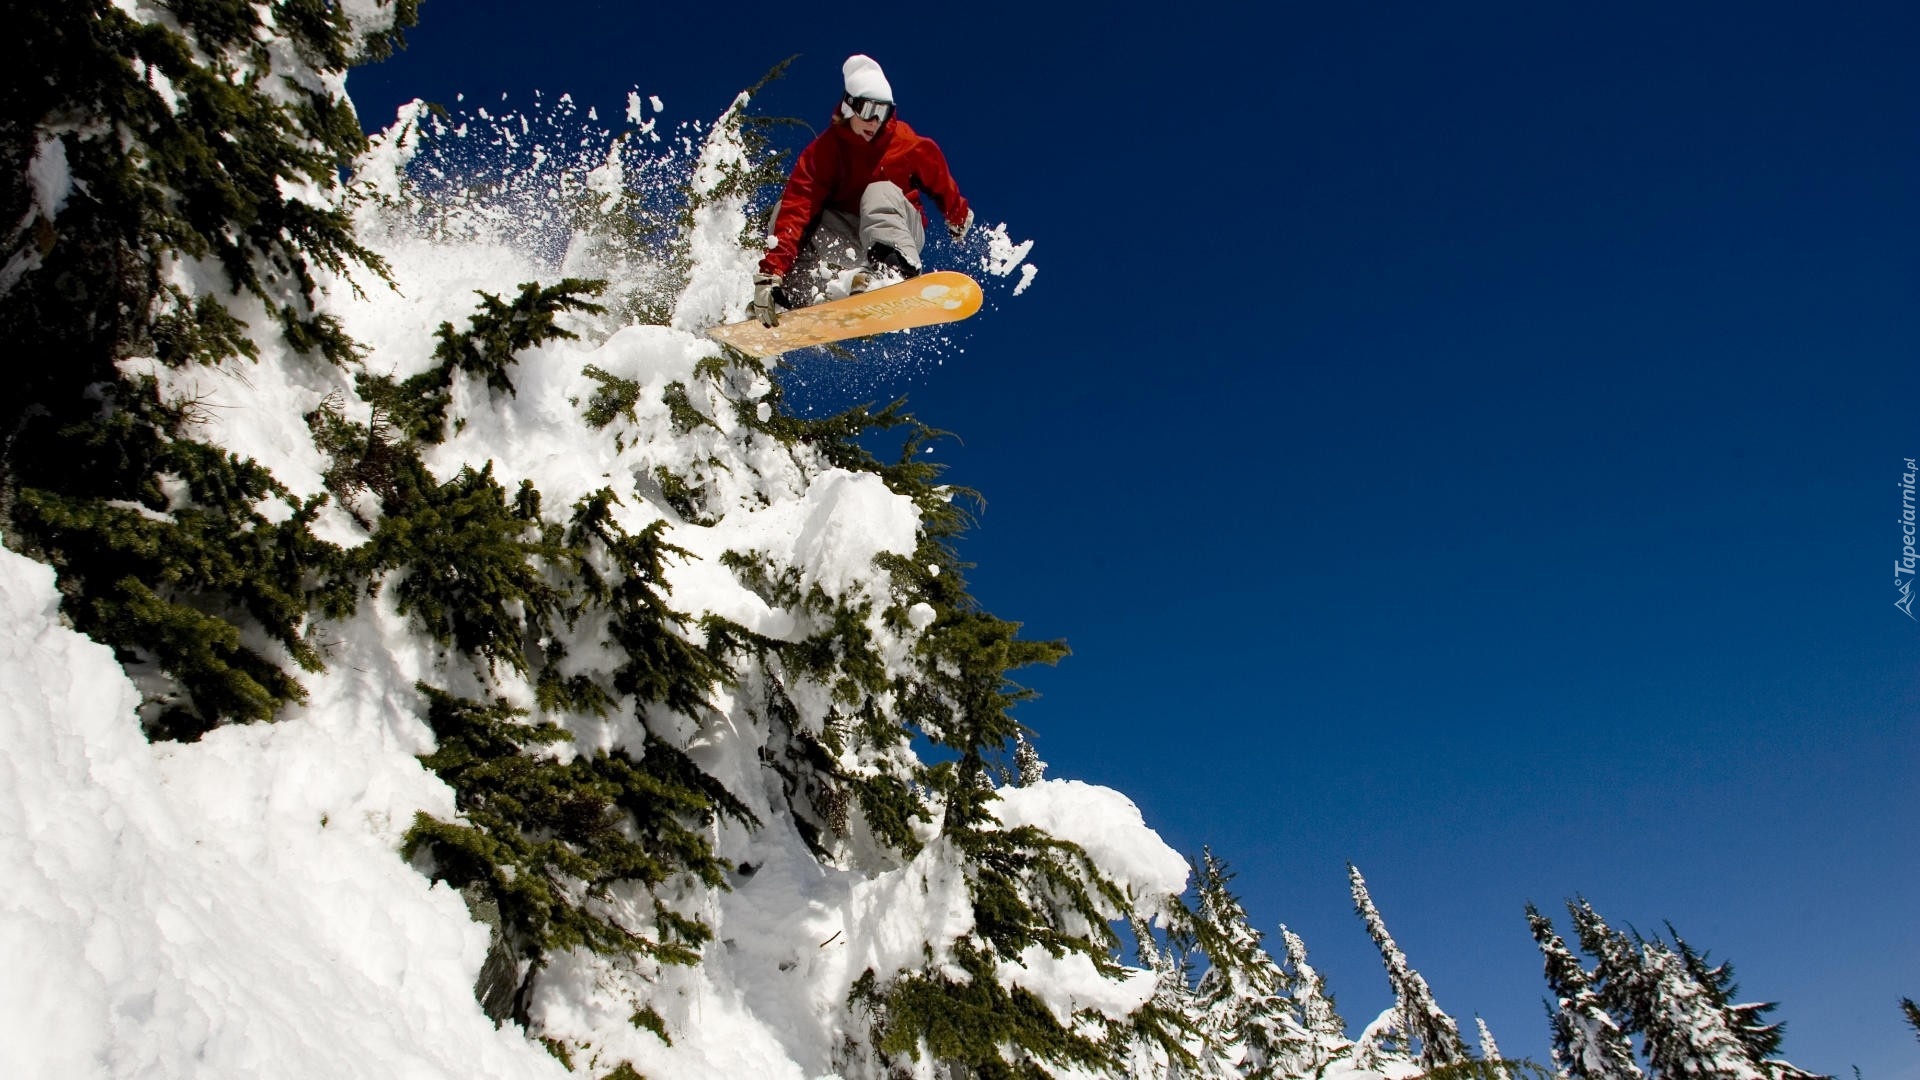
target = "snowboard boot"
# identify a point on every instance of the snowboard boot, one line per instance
(884, 260)
(848, 282)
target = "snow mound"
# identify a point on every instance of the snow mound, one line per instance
(1105, 823)
(203, 910)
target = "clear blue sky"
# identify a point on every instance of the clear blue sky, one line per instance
(1459, 438)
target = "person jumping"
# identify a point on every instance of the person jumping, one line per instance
(850, 213)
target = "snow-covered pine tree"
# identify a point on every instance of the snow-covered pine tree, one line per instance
(1686, 1034)
(1243, 995)
(1619, 979)
(1028, 769)
(1169, 1039)
(604, 850)
(1033, 894)
(1747, 1020)
(1588, 1043)
(1326, 1031)
(1436, 1032)
(1384, 1046)
(1489, 1050)
(1679, 1006)
(171, 169)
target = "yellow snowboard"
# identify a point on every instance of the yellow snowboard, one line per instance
(940, 297)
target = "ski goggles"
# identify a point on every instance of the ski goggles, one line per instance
(865, 108)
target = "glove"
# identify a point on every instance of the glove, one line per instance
(762, 306)
(958, 229)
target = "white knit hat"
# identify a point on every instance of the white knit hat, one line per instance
(865, 79)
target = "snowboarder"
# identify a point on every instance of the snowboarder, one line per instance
(851, 213)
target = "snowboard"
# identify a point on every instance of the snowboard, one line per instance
(942, 296)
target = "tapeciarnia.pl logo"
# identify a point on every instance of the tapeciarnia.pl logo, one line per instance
(1903, 567)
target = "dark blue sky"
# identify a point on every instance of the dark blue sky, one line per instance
(1462, 439)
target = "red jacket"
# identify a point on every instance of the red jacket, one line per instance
(836, 167)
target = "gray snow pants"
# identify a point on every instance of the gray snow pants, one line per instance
(838, 241)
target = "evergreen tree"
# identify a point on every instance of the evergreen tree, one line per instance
(1588, 1043)
(1326, 1031)
(1621, 982)
(1681, 1008)
(147, 149)
(1028, 768)
(1912, 1012)
(1029, 889)
(551, 841)
(1170, 1037)
(1686, 1033)
(1747, 1021)
(1489, 1050)
(1435, 1031)
(1384, 1044)
(1243, 996)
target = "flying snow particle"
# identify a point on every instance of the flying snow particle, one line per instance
(1003, 254)
(49, 176)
